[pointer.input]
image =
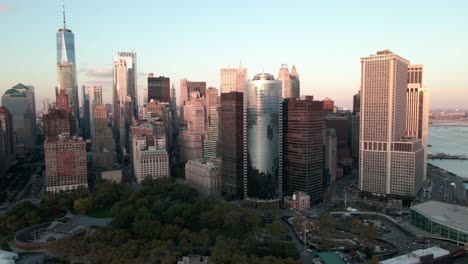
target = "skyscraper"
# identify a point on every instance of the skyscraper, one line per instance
(231, 149)
(187, 87)
(291, 83)
(158, 88)
(124, 98)
(341, 122)
(19, 100)
(417, 119)
(263, 139)
(103, 146)
(86, 119)
(303, 147)
(211, 145)
(66, 79)
(389, 163)
(92, 98)
(212, 100)
(233, 79)
(65, 43)
(66, 68)
(6, 134)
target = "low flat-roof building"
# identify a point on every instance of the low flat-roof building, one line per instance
(299, 200)
(433, 255)
(442, 219)
(204, 176)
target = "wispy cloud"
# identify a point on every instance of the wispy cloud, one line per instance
(100, 83)
(4, 8)
(97, 72)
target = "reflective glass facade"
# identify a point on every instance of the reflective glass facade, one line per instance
(66, 46)
(263, 139)
(426, 223)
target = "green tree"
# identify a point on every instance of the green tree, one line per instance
(82, 205)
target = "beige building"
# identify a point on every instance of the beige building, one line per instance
(389, 162)
(290, 80)
(233, 79)
(114, 176)
(149, 159)
(103, 146)
(204, 176)
(65, 162)
(417, 100)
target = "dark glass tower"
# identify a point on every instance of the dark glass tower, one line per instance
(158, 89)
(231, 144)
(263, 139)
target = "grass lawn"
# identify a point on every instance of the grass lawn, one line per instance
(99, 213)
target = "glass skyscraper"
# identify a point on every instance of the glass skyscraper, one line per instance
(66, 46)
(263, 139)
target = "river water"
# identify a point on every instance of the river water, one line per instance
(450, 140)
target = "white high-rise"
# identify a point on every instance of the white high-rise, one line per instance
(124, 98)
(417, 121)
(233, 79)
(290, 80)
(390, 162)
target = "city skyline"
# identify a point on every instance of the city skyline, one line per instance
(313, 46)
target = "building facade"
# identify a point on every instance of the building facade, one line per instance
(65, 162)
(66, 81)
(330, 157)
(158, 88)
(124, 98)
(204, 176)
(385, 153)
(298, 200)
(341, 122)
(303, 147)
(150, 161)
(103, 145)
(263, 139)
(211, 145)
(19, 100)
(233, 79)
(231, 144)
(290, 80)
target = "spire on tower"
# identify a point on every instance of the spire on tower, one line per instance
(63, 11)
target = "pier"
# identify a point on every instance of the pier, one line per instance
(443, 156)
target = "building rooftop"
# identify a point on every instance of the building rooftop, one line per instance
(330, 258)
(414, 257)
(451, 215)
(14, 92)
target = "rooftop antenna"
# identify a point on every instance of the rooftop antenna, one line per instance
(63, 11)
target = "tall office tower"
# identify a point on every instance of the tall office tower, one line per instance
(158, 88)
(389, 163)
(204, 176)
(124, 98)
(212, 100)
(103, 146)
(233, 79)
(187, 88)
(415, 74)
(231, 149)
(328, 105)
(65, 162)
(330, 157)
(341, 122)
(355, 118)
(65, 43)
(357, 103)
(191, 139)
(417, 119)
(303, 147)
(211, 145)
(290, 80)
(263, 139)
(67, 82)
(86, 119)
(94, 94)
(59, 121)
(19, 102)
(6, 127)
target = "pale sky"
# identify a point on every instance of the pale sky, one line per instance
(194, 39)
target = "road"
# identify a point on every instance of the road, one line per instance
(446, 187)
(306, 257)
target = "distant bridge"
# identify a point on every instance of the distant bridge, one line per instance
(447, 156)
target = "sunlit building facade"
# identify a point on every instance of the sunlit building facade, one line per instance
(262, 138)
